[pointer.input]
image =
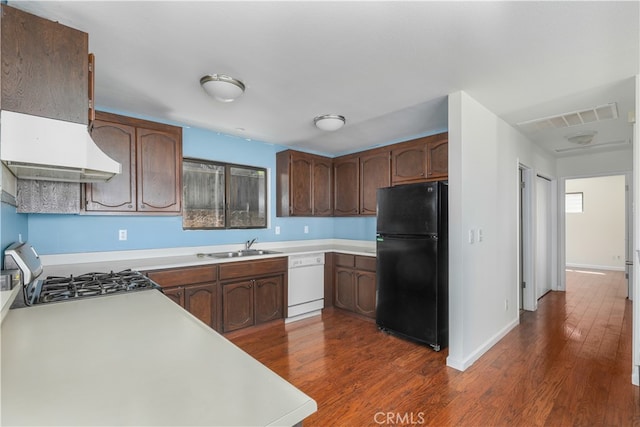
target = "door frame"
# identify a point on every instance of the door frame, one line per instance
(525, 241)
(562, 229)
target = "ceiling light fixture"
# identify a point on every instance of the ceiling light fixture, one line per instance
(329, 122)
(222, 87)
(582, 138)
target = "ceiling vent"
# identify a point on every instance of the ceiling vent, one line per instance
(610, 144)
(574, 118)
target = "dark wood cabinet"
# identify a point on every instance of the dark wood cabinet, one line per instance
(346, 185)
(193, 288)
(268, 298)
(253, 292)
(238, 305)
(304, 184)
(355, 284)
(45, 67)
(420, 160)
(375, 172)
(310, 185)
(151, 158)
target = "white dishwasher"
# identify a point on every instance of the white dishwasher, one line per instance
(306, 286)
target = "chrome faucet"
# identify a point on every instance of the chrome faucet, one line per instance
(248, 243)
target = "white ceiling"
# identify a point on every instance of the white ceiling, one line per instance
(386, 66)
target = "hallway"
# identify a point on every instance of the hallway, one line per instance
(569, 363)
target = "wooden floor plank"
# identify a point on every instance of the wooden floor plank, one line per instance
(568, 363)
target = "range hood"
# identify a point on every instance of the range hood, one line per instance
(45, 149)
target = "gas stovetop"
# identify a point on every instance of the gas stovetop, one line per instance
(66, 288)
(55, 288)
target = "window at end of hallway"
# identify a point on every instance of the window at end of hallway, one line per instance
(573, 203)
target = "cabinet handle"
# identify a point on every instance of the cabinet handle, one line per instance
(129, 206)
(142, 205)
(421, 173)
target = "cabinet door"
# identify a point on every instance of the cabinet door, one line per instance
(438, 159)
(408, 162)
(201, 301)
(300, 194)
(159, 168)
(346, 188)
(374, 173)
(268, 299)
(118, 141)
(365, 293)
(237, 305)
(322, 184)
(344, 294)
(45, 67)
(175, 294)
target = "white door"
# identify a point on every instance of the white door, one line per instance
(543, 236)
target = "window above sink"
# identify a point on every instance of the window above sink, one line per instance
(223, 196)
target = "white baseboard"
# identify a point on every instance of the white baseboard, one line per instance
(463, 364)
(596, 267)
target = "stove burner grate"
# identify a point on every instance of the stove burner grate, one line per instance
(55, 288)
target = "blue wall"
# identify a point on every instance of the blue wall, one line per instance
(52, 234)
(12, 225)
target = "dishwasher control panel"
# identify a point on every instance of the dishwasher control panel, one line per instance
(296, 261)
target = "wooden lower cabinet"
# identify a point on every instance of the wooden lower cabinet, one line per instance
(355, 284)
(253, 292)
(193, 288)
(238, 306)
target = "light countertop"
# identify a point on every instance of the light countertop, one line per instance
(63, 265)
(134, 359)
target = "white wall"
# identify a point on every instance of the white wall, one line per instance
(484, 154)
(595, 238)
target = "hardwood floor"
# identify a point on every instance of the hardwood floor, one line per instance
(569, 363)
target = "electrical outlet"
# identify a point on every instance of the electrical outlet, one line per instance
(306, 229)
(277, 229)
(506, 304)
(480, 236)
(471, 236)
(122, 234)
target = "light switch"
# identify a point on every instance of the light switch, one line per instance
(277, 230)
(471, 236)
(480, 235)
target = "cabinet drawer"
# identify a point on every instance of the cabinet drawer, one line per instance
(237, 269)
(184, 276)
(345, 260)
(367, 263)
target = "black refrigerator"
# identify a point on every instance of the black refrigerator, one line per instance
(412, 262)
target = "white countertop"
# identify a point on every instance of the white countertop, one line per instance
(63, 265)
(134, 359)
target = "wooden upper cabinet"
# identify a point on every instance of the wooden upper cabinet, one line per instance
(45, 67)
(375, 172)
(420, 160)
(322, 186)
(303, 184)
(151, 158)
(438, 158)
(159, 169)
(346, 188)
(118, 141)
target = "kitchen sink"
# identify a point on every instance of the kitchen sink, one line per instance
(237, 254)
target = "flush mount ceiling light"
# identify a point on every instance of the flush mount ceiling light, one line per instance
(329, 122)
(222, 87)
(582, 138)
